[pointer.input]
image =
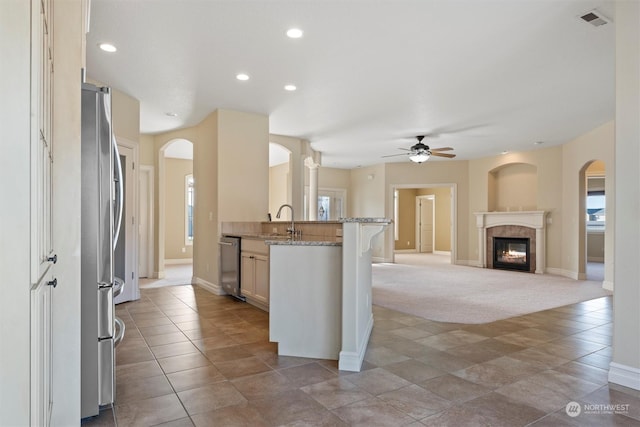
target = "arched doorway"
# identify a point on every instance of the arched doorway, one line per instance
(592, 245)
(176, 198)
(280, 179)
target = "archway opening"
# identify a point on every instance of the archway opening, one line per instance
(176, 200)
(280, 180)
(593, 226)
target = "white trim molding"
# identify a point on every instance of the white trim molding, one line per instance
(352, 360)
(607, 285)
(562, 272)
(624, 375)
(211, 287)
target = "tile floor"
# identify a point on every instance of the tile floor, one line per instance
(193, 358)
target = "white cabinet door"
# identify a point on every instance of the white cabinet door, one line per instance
(261, 278)
(41, 321)
(42, 269)
(247, 275)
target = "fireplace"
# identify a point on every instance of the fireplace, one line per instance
(522, 225)
(511, 253)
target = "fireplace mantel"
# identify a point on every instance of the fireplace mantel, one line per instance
(531, 219)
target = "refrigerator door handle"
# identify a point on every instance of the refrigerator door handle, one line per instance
(117, 339)
(119, 192)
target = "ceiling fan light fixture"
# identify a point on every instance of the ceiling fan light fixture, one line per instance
(419, 157)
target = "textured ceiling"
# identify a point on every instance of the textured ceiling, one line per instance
(481, 76)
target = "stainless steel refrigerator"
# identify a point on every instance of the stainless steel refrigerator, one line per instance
(101, 216)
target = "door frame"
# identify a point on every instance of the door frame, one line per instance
(148, 172)
(131, 237)
(390, 242)
(418, 238)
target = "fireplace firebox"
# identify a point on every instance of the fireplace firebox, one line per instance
(511, 253)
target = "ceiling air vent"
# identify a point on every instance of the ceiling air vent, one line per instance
(595, 18)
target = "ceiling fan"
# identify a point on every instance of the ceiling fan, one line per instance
(420, 152)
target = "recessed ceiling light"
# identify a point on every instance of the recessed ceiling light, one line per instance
(242, 77)
(294, 33)
(107, 47)
(290, 88)
(171, 114)
(538, 142)
(504, 152)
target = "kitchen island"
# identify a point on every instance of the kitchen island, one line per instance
(320, 294)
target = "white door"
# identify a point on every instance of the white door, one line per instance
(426, 209)
(125, 253)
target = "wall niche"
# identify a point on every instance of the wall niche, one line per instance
(512, 188)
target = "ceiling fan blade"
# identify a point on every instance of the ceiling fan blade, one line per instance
(442, 149)
(396, 155)
(449, 156)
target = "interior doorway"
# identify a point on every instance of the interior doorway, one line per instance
(176, 197)
(593, 221)
(427, 229)
(425, 218)
(126, 247)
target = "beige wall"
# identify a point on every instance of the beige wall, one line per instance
(243, 184)
(405, 239)
(334, 178)
(516, 188)
(147, 150)
(279, 185)
(125, 115)
(176, 171)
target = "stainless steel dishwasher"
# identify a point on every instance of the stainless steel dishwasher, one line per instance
(229, 268)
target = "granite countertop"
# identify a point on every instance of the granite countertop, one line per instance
(367, 220)
(281, 239)
(303, 241)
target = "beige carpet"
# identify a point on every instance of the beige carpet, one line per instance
(434, 289)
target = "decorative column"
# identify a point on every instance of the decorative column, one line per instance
(313, 188)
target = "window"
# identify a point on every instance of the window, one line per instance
(189, 191)
(596, 204)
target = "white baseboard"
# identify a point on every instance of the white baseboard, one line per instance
(178, 261)
(352, 360)
(626, 376)
(211, 287)
(405, 251)
(607, 285)
(378, 260)
(468, 262)
(562, 272)
(595, 259)
(442, 252)
(158, 274)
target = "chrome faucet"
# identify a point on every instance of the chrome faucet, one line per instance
(291, 230)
